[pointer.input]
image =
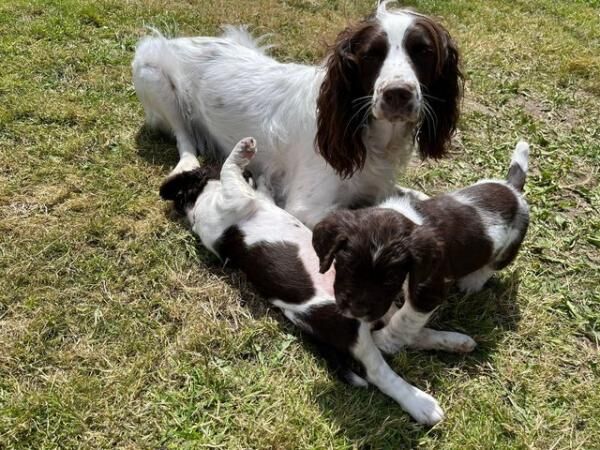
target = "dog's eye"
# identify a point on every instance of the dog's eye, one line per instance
(422, 49)
(375, 53)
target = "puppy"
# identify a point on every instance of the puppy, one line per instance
(274, 249)
(465, 235)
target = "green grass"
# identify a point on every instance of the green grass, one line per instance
(117, 329)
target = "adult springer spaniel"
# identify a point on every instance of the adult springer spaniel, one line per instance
(390, 80)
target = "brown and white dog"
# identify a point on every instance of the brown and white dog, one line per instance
(274, 249)
(389, 81)
(418, 244)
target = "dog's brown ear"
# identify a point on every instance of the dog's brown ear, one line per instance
(329, 236)
(443, 92)
(427, 255)
(394, 254)
(340, 118)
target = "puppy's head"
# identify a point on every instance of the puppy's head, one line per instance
(185, 187)
(372, 258)
(374, 250)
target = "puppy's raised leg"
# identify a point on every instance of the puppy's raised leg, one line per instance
(235, 189)
(421, 406)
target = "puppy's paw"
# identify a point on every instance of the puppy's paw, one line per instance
(246, 148)
(461, 343)
(423, 408)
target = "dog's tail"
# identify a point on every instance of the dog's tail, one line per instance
(185, 187)
(517, 172)
(241, 36)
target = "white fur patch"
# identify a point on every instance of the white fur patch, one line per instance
(521, 155)
(404, 207)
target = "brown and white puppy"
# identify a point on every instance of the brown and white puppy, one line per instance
(274, 250)
(419, 244)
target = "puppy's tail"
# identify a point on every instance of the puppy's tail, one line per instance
(185, 187)
(517, 172)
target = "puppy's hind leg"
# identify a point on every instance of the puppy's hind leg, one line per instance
(237, 193)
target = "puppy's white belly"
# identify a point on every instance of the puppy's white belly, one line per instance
(272, 224)
(266, 223)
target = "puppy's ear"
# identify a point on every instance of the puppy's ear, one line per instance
(394, 255)
(329, 236)
(427, 255)
(184, 188)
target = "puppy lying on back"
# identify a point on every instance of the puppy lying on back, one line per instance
(465, 235)
(274, 249)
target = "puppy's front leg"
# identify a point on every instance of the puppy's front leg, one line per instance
(406, 329)
(447, 341)
(421, 406)
(402, 330)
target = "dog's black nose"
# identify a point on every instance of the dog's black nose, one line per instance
(397, 97)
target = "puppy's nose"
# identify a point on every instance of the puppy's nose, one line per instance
(396, 97)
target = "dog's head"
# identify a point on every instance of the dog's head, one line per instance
(185, 187)
(374, 250)
(397, 66)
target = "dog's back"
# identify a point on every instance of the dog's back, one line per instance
(482, 223)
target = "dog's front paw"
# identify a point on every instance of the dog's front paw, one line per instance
(186, 163)
(423, 408)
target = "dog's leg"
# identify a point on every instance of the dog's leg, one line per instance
(421, 406)
(406, 329)
(402, 329)
(475, 281)
(447, 341)
(158, 85)
(237, 193)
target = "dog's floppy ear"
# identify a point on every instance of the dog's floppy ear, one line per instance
(427, 255)
(394, 254)
(443, 94)
(185, 187)
(339, 114)
(329, 236)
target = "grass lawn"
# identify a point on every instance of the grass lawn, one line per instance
(118, 330)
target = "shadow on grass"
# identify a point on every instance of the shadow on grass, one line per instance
(157, 148)
(365, 416)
